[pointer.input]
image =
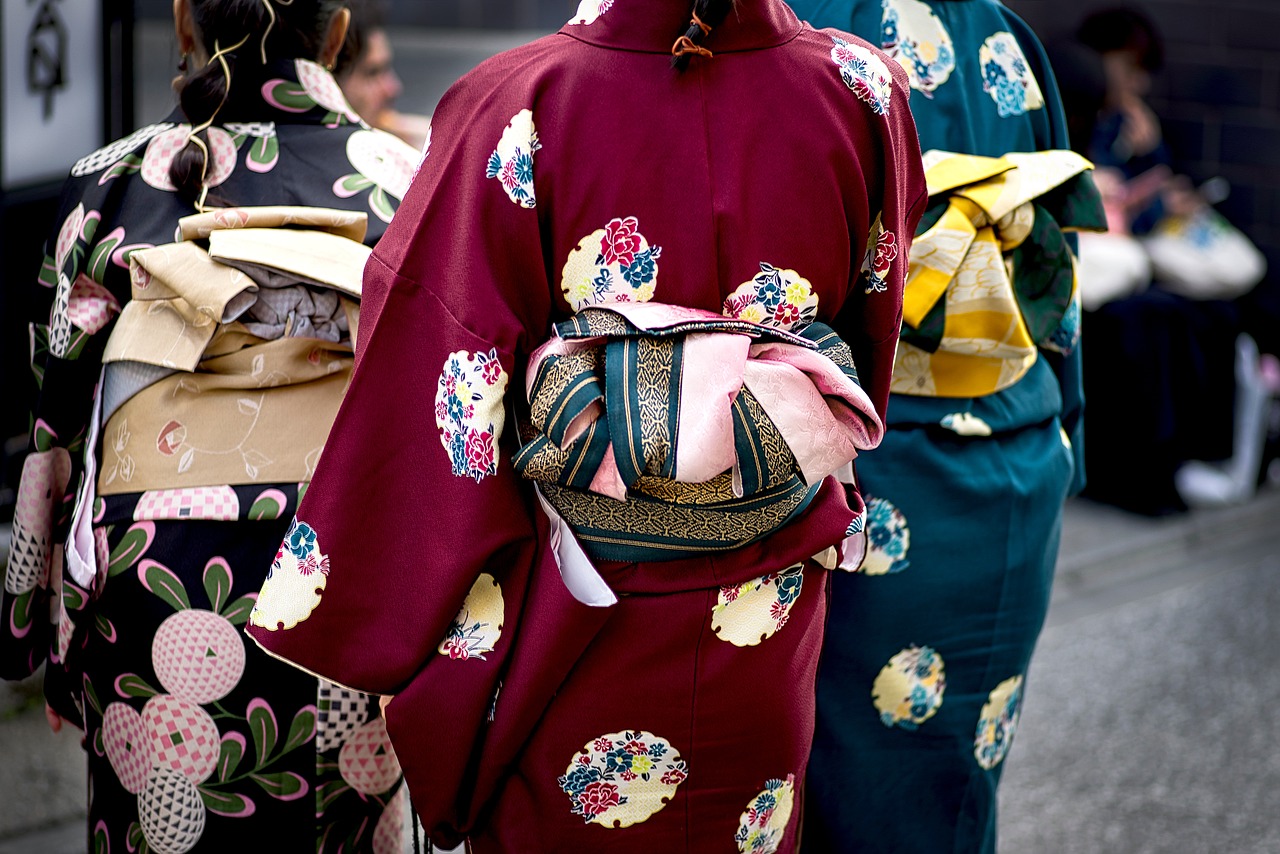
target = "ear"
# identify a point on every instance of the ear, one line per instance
(334, 36)
(184, 26)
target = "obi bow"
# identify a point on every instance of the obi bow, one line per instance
(992, 277)
(658, 432)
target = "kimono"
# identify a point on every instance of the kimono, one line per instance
(169, 450)
(584, 673)
(926, 657)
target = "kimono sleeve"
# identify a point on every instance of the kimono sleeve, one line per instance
(73, 307)
(871, 318)
(414, 499)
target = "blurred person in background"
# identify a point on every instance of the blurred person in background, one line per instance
(593, 566)
(1163, 290)
(369, 81)
(157, 488)
(925, 662)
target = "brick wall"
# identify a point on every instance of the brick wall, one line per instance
(1218, 97)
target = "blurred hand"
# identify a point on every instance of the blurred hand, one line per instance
(1141, 129)
(1181, 198)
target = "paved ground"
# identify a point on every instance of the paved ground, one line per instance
(1150, 723)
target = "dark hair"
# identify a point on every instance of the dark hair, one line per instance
(712, 13)
(367, 16)
(298, 31)
(1124, 28)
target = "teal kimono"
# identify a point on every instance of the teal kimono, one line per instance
(928, 644)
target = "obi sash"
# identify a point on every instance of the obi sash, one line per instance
(196, 394)
(992, 277)
(660, 432)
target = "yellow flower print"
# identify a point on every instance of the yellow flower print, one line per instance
(798, 292)
(753, 313)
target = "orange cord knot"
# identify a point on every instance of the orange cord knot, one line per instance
(685, 45)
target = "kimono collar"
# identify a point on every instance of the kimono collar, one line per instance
(291, 91)
(652, 26)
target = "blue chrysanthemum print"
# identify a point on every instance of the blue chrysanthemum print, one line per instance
(864, 73)
(622, 778)
(470, 412)
(909, 689)
(295, 582)
(1067, 336)
(998, 723)
(774, 297)
(1007, 77)
(888, 538)
(764, 822)
(512, 161)
(912, 34)
(611, 264)
(750, 613)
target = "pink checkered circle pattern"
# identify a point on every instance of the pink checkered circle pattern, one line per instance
(198, 655)
(211, 503)
(183, 736)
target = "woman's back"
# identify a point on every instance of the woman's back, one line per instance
(186, 509)
(583, 170)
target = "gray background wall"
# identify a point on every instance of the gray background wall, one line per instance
(1218, 97)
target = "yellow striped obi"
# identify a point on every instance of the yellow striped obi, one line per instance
(992, 277)
(659, 432)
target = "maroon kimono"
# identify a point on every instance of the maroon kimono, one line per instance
(778, 181)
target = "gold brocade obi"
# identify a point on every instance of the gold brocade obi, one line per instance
(991, 276)
(210, 402)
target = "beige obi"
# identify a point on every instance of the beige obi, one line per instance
(229, 406)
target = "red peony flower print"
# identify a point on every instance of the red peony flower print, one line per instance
(598, 797)
(844, 56)
(457, 649)
(786, 313)
(172, 436)
(621, 241)
(674, 777)
(886, 252)
(602, 745)
(479, 450)
(491, 371)
(636, 748)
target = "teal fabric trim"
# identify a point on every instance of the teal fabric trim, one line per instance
(751, 458)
